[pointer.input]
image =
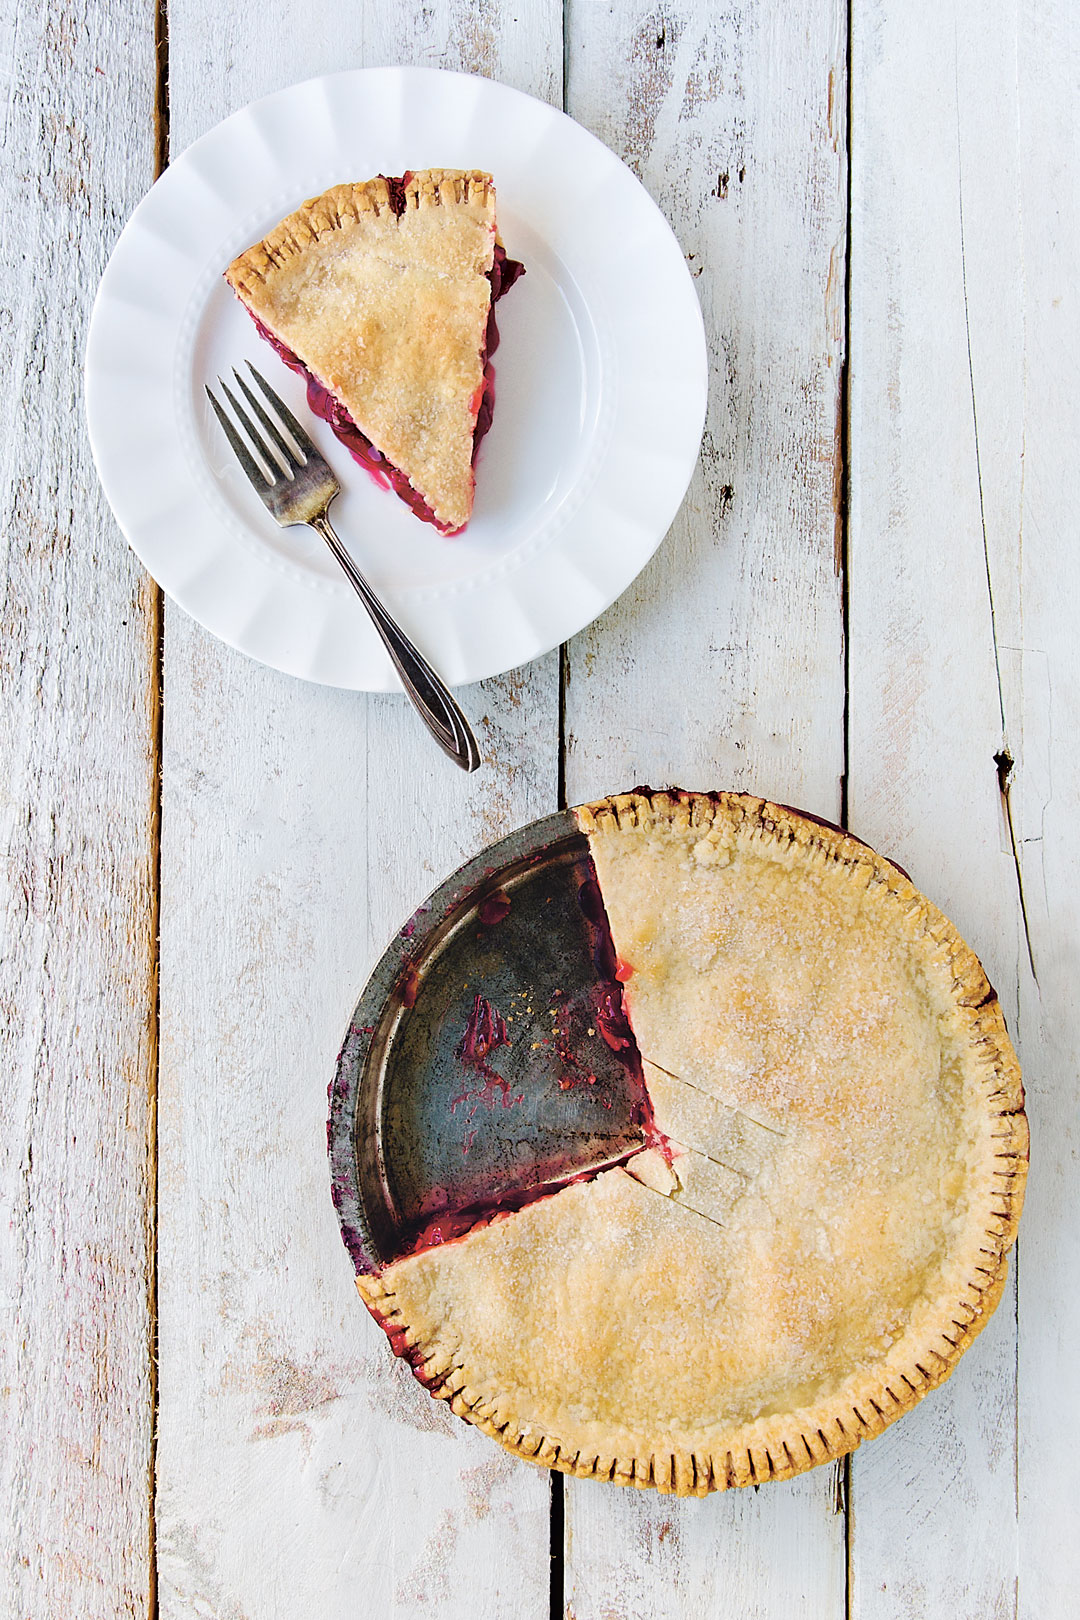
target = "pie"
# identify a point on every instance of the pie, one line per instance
(381, 294)
(813, 1221)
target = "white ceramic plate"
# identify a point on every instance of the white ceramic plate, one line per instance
(601, 381)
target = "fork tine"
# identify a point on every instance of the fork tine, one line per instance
(260, 447)
(243, 454)
(284, 413)
(293, 460)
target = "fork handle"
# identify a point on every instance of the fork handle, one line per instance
(437, 707)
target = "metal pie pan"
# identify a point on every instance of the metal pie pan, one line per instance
(477, 1070)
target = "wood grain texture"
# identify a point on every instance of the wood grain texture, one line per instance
(1047, 797)
(723, 665)
(937, 471)
(78, 637)
(301, 1468)
(299, 1463)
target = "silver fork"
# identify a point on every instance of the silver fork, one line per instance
(296, 485)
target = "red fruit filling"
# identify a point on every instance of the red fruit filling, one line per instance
(485, 1030)
(502, 275)
(577, 1017)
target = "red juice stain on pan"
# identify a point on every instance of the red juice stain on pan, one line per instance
(484, 1033)
(612, 1020)
(493, 909)
(508, 976)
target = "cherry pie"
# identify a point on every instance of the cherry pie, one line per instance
(814, 1221)
(381, 294)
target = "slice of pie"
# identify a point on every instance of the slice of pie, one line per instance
(381, 294)
(814, 1224)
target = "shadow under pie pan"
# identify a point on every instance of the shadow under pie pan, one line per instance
(678, 1141)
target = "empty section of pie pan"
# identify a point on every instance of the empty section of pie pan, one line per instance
(478, 1070)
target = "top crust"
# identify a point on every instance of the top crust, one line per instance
(849, 1159)
(390, 313)
(350, 204)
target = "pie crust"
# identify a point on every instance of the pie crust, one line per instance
(384, 297)
(847, 1148)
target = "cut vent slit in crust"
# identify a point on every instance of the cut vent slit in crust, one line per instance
(844, 1264)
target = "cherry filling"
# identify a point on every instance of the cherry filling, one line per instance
(502, 276)
(568, 1055)
(484, 1032)
(612, 1018)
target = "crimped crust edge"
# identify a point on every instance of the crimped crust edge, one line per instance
(342, 206)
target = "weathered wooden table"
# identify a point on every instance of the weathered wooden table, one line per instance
(866, 607)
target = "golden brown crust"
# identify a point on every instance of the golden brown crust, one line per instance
(345, 205)
(778, 1449)
(928, 931)
(647, 1392)
(389, 311)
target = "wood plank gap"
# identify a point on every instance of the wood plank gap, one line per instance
(557, 1588)
(157, 699)
(157, 693)
(843, 471)
(849, 1539)
(844, 523)
(558, 1546)
(161, 89)
(564, 677)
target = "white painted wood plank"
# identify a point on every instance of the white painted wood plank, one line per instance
(298, 1462)
(937, 448)
(1047, 796)
(301, 1469)
(723, 666)
(78, 635)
